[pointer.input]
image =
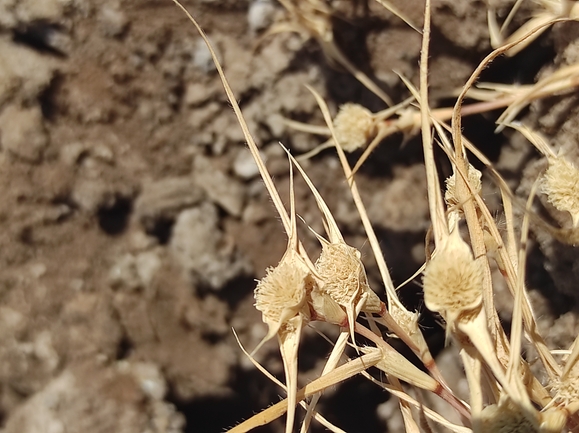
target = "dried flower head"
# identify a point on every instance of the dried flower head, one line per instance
(344, 281)
(561, 185)
(474, 179)
(340, 268)
(507, 417)
(281, 294)
(453, 280)
(566, 388)
(354, 125)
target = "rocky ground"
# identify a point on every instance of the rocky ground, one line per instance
(134, 222)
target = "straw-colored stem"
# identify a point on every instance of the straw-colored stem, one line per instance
(437, 215)
(334, 377)
(404, 370)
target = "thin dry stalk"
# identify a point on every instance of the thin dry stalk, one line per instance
(334, 377)
(314, 18)
(547, 13)
(318, 417)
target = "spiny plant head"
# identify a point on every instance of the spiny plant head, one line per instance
(342, 272)
(453, 280)
(474, 179)
(281, 294)
(566, 388)
(507, 417)
(354, 125)
(560, 183)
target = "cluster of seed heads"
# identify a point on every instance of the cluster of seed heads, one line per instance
(336, 289)
(291, 289)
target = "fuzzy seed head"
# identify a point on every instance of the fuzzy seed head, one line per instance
(474, 178)
(506, 417)
(566, 389)
(561, 185)
(354, 125)
(453, 280)
(281, 294)
(342, 272)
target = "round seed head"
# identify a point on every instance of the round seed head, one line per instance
(354, 125)
(506, 417)
(474, 178)
(281, 294)
(453, 280)
(566, 389)
(342, 272)
(561, 185)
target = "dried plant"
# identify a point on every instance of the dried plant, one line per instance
(545, 14)
(505, 396)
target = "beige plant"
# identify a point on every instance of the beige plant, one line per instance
(504, 395)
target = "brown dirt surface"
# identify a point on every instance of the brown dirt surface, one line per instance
(134, 222)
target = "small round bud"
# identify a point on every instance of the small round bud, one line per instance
(561, 185)
(453, 280)
(506, 417)
(354, 125)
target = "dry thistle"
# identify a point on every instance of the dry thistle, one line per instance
(281, 295)
(295, 292)
(340, 268)
(507, 417)
(451, 197)
(354, 125)
(407, 320)
(344, 281)
(560, 183)
(342, 276)
(566, 389)
(453, 281)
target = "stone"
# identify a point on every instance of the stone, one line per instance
(22, 133)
